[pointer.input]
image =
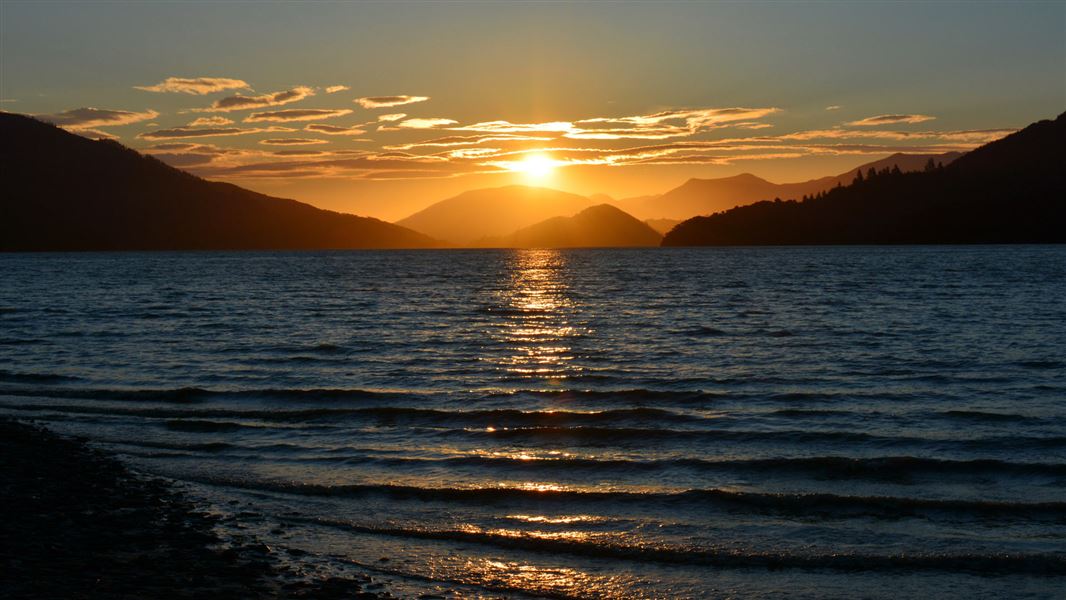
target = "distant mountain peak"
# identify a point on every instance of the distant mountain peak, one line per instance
(492, 212)
(706, 196)
(602, 225)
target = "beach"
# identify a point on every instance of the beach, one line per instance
(78, 524)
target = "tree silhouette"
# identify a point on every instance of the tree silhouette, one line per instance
(1012, 190)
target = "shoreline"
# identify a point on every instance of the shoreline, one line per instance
(79, 524)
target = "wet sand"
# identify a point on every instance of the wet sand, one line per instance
(75, 523)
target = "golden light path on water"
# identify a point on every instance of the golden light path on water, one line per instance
(538, 328)
(536, 325)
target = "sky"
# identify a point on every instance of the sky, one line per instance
(380, 109)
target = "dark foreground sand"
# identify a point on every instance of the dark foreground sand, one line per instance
(75, 523)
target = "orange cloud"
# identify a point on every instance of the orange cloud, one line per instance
(429, 123)
(471, 140)
(197, 85)
(508, 127)
(94, 134)
(88, 118)
(668, 124)
(241, 102)
(291, 142)
(333, 89)
(333, 129)
(891, 120)
(656, 126)
(208, 121)
(300, 153)
(980, 136)
(308, 114)
(196, 132)
(387, 101)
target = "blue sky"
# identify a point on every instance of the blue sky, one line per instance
(960, 66)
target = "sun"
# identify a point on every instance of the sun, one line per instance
(536, 166)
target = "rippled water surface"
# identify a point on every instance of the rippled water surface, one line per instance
(801, 422)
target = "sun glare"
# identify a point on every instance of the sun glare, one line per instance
(536, 166)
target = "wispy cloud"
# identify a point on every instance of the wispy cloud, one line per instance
(891, 120)
(95, 134)
(752, 125)
(833, 107)
(387, 101)
(468, 140)
(508, 127)
(242, 102)
(196, 85)
(666, 124)
(291, 142)
(979, 136)
(300, 153)
(359, 165)
(333, 89)
(198, 132)
(430, 123)
(188, 154)
(655, 126)
(285, 116)
(447, 148)
(333, 129)
(89, 118)
(209, 121)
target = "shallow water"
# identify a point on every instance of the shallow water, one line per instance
(588, 423)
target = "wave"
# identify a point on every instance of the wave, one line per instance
(1041, 364)
(984, 564)
(621, 427)
(198, 426)
(828, 467)
(810, 412)
(18, 377)
(628, 436)
(629, 396)
(184, 395)
(398, 415)
(823, 505)
(977, 415)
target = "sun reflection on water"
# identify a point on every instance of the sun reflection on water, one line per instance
(535, 332)
(537, 325)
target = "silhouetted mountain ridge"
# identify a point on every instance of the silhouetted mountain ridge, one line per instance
(1012, 190)
(493, 212)
(64, 192)
(706, 196)
(597, 226)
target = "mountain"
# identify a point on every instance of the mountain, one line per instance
(492, 212)
(602, 225)
(1011, 190)
(64, 192)
(662, 225)
(706, 196)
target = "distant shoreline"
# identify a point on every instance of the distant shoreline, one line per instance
(479, 249)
